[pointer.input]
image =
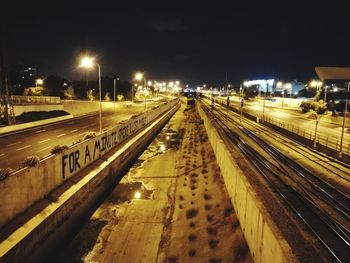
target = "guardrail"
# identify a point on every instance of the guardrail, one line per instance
(17, 100)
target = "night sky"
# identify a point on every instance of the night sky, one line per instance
(194, 41)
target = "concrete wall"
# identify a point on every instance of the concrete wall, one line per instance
(41, 233)
(78, 107)
(25, 187)
(264, 239)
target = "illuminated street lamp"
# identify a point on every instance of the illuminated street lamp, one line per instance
(88, 63)
(39, 82)
(279, 84)
(139, 77)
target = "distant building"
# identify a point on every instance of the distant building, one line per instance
(290, 88)
(30, 73)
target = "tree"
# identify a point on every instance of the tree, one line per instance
(56, 85)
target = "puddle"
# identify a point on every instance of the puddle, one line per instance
(126, 192)
(167, 139)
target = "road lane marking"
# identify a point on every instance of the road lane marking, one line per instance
(2, 154)
(85, 127)
(73, 131)
(60, 135)
(25, 147)
(43, 149)
(39, 131)
(44, 141)
(11, 144)
(81, 134)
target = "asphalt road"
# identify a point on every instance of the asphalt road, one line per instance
(39, 141)
(328, 131)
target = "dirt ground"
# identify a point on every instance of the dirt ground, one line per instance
(204, 227)
(172, 206)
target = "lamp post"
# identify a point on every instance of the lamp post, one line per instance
(343, 126)
(317, 117)
(325, 94)
(114, 80)
(39, 82)
(279, 85)
(263, 114)
(139, 76)
(88, 63)
(241, 101)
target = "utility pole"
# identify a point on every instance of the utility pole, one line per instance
(4, 90)
(226, 85)
(343, 126)
(114, 92)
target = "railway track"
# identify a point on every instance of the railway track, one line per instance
(279, 171)
(333, 166)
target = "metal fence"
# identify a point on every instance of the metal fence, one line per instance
(329, 142)
(17, 100)
(308, 133)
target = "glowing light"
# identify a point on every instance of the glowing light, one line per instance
(168, 137)
(87, 62)
(261, 82)
(162, 148)
(288, 86)
(279, 84)
(149, 83)
(137, 195)
(39, 81)
(315, 83)
(138, 76)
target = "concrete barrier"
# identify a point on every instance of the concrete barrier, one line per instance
(264, 239)
(41, 233)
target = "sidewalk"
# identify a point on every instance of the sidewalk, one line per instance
(171, 207)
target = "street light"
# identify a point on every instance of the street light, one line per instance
(39, 82)
(88, 63)
(343, 127)
(325, 94)
(139, 76)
